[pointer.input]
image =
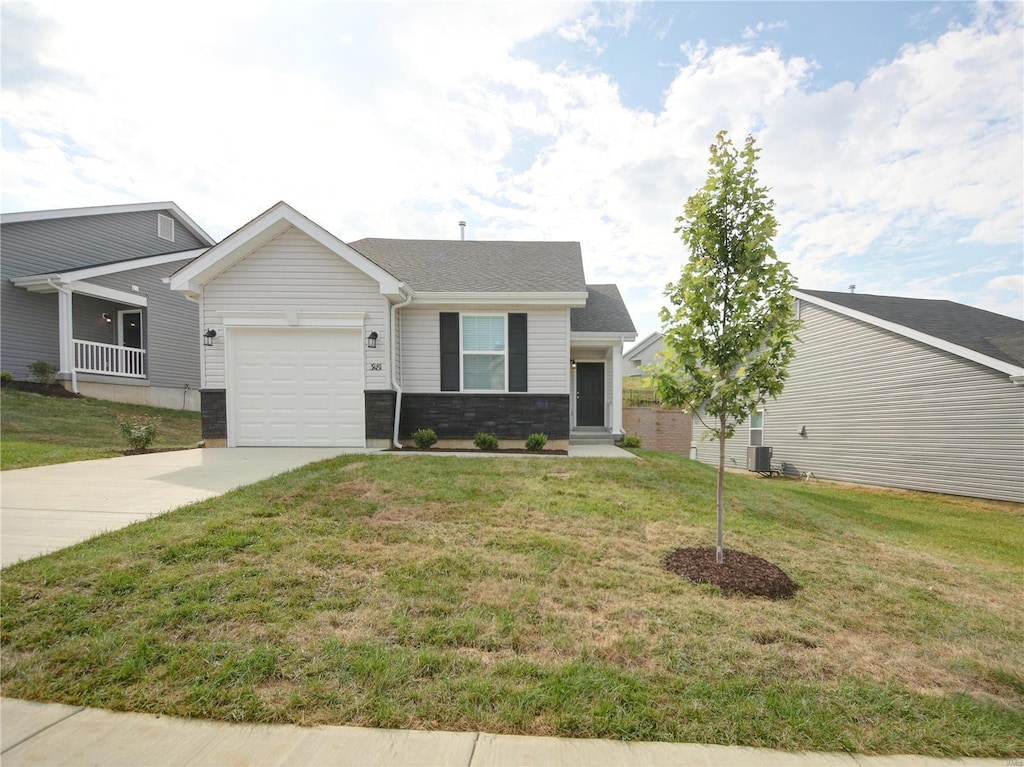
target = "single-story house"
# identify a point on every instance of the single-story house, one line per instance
(312, 341)
(642, 355)
(896, 392)
(83, 290)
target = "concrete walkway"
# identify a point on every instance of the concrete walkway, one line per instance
(47, 734)
(49, 507)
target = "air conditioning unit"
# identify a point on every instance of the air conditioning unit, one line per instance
(759, 459)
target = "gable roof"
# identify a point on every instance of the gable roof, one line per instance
(103, 210)
(605, 312)
(473, 266)
(257, 233)
(643, 345)
(991, 339)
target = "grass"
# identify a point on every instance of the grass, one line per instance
(41, 430)
(528, 596)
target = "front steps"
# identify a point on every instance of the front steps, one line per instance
(591, 435)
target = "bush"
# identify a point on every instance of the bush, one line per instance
(424, 438)
(536, 442)
(43, 372)
(631, 440)
(138, 431)
(485, 441)
(6, 376)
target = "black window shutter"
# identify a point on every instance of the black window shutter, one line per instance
(517, 352)
(450, 351)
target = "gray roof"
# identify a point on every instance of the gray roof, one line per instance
(472, 266)
(988, 333)
(605, 312)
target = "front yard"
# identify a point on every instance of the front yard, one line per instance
(40, 430)
(528, 596)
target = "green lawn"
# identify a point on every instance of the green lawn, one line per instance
(528, 596)
(39, 430)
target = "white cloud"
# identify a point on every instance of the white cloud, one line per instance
(407, 118)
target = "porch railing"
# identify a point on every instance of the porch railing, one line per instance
(108, 359)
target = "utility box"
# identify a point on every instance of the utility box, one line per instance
(759, 459)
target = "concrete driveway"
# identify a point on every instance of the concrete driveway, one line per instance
(50, 507)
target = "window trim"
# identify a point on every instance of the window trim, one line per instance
(750, 428)
(463, 352)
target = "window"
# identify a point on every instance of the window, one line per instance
(483, 353)
(757, 428)
(164, 227)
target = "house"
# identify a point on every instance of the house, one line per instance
(312, 341)
(642, 354)
(896, 392)
(83, 289)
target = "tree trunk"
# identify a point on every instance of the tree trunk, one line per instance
(721, 488)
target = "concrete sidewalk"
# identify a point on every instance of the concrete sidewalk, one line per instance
(49, 507)
(48, 734)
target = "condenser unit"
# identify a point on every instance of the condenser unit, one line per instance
(759, 459)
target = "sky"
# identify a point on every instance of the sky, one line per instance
(891, 133)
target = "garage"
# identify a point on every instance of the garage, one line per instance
(299, 387)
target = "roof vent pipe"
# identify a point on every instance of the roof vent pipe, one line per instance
(462, 230)
(853, 288)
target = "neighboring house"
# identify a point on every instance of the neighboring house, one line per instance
(897, 392)
(83, 289)
(642, 355)
(312, 341)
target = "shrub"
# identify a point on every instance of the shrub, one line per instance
(631, 440)
(485, 441)
(536, 442)
(6, 376)
(43, 372)
(138, 431)
(424, 438)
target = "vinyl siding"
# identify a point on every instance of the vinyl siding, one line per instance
(170, 324)
(881, 409)
(28, 331)
(547, 330)
(294, 271)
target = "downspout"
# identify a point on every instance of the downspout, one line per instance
(66, 343)
(394, 364)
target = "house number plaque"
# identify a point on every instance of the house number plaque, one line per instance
(376, 366)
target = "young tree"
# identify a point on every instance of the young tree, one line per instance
(731, 325)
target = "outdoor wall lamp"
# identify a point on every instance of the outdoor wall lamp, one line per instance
(208, 337)
(371, 340)
(107, 318)
(572, 364)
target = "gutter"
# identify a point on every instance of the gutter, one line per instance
(394, 363)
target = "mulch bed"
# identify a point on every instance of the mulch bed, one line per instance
(521, 450)
(47, 390)
(739, 574)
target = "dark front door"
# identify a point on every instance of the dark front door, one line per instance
(590, 394)
(131, 329)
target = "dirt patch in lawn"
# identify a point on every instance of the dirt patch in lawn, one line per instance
(739, 574)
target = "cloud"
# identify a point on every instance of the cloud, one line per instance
(751, 33)
(400, 120)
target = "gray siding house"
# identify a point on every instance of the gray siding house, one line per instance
(642, 355)
(896, 392)
(84, 289)
(312, 341)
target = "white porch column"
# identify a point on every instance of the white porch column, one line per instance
(617, 388)
(65, 336)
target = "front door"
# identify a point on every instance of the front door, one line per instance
(131, 329)
(590, 394)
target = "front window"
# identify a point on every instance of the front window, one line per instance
(757, 428)
(483, 353)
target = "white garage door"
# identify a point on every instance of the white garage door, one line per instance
(295, 387)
